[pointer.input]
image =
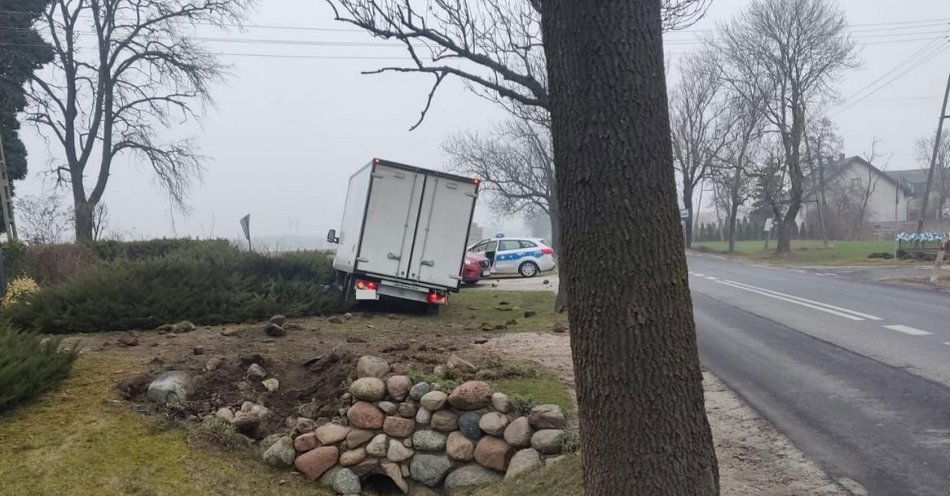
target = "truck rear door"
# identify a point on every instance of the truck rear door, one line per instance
(391, 217)
(442, 231)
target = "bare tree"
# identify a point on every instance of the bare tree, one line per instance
(122, 71)
(822, 145)
(923, 150)
(696, 111)
(793, 51)
(42, 219)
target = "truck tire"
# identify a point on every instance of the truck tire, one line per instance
(528, 269)
(347, 291)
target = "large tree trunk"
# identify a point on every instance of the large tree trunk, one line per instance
(733, 215)
(84, 213)
(639, 385)
(560, 302)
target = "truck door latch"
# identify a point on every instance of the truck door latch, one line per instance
(393, 256)
(427, 263)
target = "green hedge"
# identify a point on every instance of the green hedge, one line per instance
(207, 283)
(29, 365)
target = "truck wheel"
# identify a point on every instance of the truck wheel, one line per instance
(347, 291)
(528, 269)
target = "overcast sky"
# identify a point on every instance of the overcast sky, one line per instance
(287, 132)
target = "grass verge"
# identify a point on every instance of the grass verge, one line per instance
(808, 252)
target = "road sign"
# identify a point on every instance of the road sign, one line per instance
(684, 214)
(246, 225)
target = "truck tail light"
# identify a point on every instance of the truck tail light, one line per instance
(364, 284)
(547, 251)
(437, 298)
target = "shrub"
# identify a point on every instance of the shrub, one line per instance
(30, 365)
(18, 289)
(214, 432)
(881, 254)
(206, 283)
(522, 403)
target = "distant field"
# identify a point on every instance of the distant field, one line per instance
(808, 252)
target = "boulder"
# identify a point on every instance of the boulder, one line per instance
(519, 432)
(470, 476)
(170, 386)
(471, 395)
(445, 421)
(547, 417)
(249, 417)
(363, 415)
(457, 363)
(368, 389)
(279, 320)
(378, 446)
(371, 366)
(331, 433)
(433, 400)
(523, 462)
(459, 448)
(305, 425)
(468, 425)
(346, 482)
(423, 416)
(326, 480)
(281, 453)
(366, 466)
(395, 473)
(255, 372)
(388, 407)
(225, 414)
(493, 453)
(214, 363)
(352, 457)
(268, 441)
(398, 453)
(407, 409)
(493, 423)
(501, 402)
(548, 441)
(274, 330)
(358, 437)
(428, 441)
(398, 387)
(314, 463)
(420, 490)
(306, 442)
(419, 390)
(271, 384)
(429, 469)
(398, 427)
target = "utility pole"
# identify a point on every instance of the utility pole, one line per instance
(933, 160)
(6, 197)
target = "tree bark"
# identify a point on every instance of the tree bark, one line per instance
(554, 212)
(639, 385)
(83, 212)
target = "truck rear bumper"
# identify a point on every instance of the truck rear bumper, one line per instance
(404, 293)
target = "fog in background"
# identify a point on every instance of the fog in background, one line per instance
(293, 122)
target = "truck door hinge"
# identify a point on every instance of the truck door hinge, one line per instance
(393, 256)
(427, 263)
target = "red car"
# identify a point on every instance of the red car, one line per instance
(475, 267)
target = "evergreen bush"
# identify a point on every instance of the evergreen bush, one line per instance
(29, 365)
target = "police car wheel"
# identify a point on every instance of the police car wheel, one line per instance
(528, 269)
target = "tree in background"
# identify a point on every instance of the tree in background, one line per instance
(923, 152)
(22, 52)
(792, 50)
(123, 71)
(42, 218)
(639, 386)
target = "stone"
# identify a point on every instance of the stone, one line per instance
(368, 389)
(470, 476)
(398, 427)
(198, 350)
(170, 386)
(493, 453)
(230, 332)
(519, 432)
(225, 414)
(335, 320)
(547, 417)
(281, 453)
(501, 402)
(358, 437)
(363, 415)
(331, 433)
(457, 363)
(419, 390)
(305, 425)
(279, 320)
(398, 387)
(439, 370)
(445, 421)
(423, 416)
(404, 468)
(352, 457)
(214, 363)
(420, 490)
(459, 448)
(493, 423)
(522, 462)
(471, 395)
(429, 469)
(326, 480)
(428, 441)
(271, 384)
(378, 446)
(398, 453)
(274, 330)
(407, 442)
(306, 442)
(256, 372)
(371, 366)
(268, 441)
(128, 340)
(366, 466)
(548, 441)
(346, 482)
(433, 400)
(531, 313)
(388, 407)
(468, 425)
(395, 473)
(314, 463)
(407, 409)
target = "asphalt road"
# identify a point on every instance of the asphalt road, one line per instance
(856, 373)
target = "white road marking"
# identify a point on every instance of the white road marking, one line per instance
(711, 278)
(697, 274)
(912, 331)
(946, 343)
(790, 300)
(813, 302)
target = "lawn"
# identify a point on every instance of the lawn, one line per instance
(808, 252)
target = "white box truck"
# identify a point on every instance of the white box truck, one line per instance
(403, 234)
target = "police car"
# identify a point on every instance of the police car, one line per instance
(527, 257)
